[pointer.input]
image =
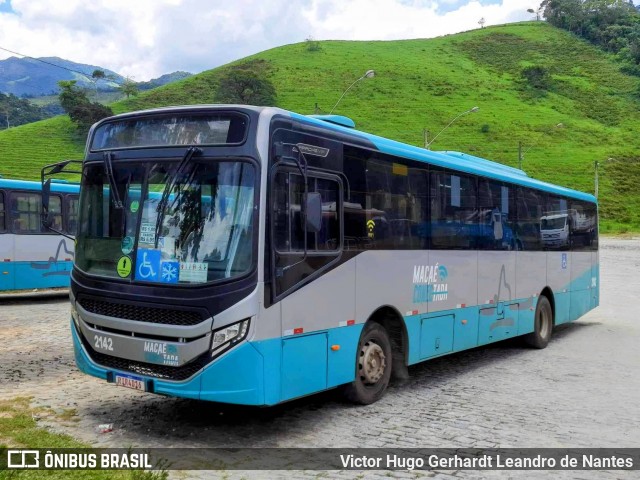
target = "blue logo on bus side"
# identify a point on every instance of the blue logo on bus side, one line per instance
(564, 261)
(429, 283)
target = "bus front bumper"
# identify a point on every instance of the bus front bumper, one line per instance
(236, 377)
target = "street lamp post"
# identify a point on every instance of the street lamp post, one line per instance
(427, 145)
(368, 74)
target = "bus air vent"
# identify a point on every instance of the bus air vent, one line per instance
(141, 314)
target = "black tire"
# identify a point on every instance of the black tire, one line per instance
(370, 383)
(543, 325)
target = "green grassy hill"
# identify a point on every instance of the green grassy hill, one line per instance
(423, 84)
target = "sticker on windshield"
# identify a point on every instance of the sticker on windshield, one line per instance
(135, 205)
(124, 267)
(194, 272)
(127, 245)
(148, 233)
(169, 272)
(148, 265)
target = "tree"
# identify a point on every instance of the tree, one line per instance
(613, 25)
(16, 111)
(86, 114)
(312, 45)
(97, 75)
(537, 12)
(481, 22)
(129, 88)
(537, 77)
(81, 111)
(247, 84)
(71, 95)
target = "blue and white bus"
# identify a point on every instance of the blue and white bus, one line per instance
(32, 256)
(253, 255)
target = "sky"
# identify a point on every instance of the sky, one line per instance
(143, 39)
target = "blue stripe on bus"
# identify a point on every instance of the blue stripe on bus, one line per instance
(36, 274)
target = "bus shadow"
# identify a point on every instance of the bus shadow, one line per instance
(441, 370)
(41, 298)
(161, 421)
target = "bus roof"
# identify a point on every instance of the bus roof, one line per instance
(453, 160)
(9, 184)
(446, 159)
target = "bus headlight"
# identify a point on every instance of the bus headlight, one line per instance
(227, 337)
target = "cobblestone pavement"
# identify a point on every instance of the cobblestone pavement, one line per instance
(581, 391)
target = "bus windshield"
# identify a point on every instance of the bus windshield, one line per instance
(189, 227)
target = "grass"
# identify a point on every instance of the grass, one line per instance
(423, 84)
(19, 429)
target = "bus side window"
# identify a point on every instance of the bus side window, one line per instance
(71, 211)
(454, 213)
(25, 212)
(289, 230)
(584, 226)
(496, 216)
(529, 204)
(3, 222)
(55, 209)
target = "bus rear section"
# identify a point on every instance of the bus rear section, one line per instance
(31, 255)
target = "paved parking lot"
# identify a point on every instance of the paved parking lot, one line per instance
(581, 391)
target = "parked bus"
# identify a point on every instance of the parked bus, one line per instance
(32, 256)
(253, 255)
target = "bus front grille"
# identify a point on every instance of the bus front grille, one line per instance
(141, 314)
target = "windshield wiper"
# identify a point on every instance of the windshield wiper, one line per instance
(162, 205)
(108, 168)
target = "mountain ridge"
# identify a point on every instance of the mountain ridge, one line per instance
(35, 77)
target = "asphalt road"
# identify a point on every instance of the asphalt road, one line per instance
(583, 390)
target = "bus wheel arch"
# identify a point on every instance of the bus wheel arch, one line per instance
(543, 321)
(547, 292)
(380, 354)
(394, 324)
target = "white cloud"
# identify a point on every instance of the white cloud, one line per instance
(146, 38)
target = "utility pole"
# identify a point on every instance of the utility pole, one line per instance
(425, 134)
(595, 165)
(520, 155)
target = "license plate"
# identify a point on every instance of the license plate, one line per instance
(131, 381)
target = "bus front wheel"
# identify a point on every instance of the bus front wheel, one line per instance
(543, 324)
(373, 365)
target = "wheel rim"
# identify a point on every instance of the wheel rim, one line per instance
(372, 362)
(544, 320)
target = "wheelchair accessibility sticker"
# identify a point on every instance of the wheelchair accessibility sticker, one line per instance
(148, 265)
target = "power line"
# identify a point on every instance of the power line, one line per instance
(44, 61)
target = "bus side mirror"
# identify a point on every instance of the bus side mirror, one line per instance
(313, 209)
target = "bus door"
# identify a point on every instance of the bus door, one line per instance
(307, 274)
(6, 248)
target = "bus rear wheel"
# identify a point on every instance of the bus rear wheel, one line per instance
(543, 325)
(373, 366)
